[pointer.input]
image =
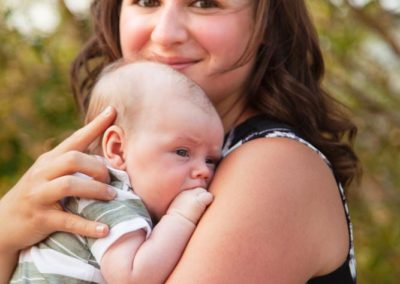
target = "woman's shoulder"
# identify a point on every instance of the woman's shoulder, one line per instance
(284, 156)
(279, 162)
(260, 126)
(286, 198)
(292, 190)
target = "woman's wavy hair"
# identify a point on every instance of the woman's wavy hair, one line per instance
(285, 84)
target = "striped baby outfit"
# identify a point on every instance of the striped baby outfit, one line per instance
(70, 258)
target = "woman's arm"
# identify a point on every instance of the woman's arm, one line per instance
(30, 211)
(8, 260)
(276, 218)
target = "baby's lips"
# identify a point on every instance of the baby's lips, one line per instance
(198, 184)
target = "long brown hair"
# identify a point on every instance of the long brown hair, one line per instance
(285, 84)
(100, 50)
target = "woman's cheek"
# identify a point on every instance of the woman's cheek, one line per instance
(133, 36)
(224, 40)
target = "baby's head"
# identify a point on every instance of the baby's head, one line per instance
(167, 134)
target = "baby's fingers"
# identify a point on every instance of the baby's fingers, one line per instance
(70, 223)
(202, 196)
(205, 198)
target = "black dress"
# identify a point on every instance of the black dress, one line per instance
(261, 127)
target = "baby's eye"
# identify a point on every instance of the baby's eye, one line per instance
(212, 162)
(205, 4)
(182, 152)
(147, 3)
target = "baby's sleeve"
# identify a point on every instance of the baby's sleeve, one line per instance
(125, 214)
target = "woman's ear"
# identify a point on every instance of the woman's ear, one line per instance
(113, 145)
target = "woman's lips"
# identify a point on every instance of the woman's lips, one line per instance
(178, 63)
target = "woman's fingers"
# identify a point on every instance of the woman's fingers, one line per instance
(83, 137)
(72, 162)
(70, 223)
(31, 209)
(70, 185)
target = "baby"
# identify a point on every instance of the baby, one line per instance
(161, 153)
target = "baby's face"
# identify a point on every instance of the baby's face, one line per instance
(177, 149)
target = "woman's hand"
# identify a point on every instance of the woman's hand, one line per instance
(31, 211)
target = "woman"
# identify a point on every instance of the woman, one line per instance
(278, 215)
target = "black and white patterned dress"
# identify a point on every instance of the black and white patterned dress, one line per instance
(261, 127)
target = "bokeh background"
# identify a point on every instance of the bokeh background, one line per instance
(361, 43)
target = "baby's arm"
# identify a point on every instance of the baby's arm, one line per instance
(133, 259)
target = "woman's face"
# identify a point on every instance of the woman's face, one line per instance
(202, 39)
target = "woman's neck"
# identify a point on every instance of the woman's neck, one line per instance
(236, 115)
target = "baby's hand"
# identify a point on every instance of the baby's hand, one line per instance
(191, 204)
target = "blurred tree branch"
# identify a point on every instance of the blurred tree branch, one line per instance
(375, 23)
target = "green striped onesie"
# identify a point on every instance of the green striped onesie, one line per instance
(69, 258)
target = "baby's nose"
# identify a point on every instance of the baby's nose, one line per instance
(202, 171)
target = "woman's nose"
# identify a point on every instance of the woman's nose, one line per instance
(169, 25)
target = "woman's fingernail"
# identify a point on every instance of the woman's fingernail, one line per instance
(107, 111)
(111, 191)
(101, 229)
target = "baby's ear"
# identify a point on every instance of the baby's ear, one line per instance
(113, 145)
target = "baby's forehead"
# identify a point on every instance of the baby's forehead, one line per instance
(149, 84)
(154, 77)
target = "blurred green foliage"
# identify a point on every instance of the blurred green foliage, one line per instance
(361, 45)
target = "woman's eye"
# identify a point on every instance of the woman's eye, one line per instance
(182, 152)
(204, 4)
(147, 3)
